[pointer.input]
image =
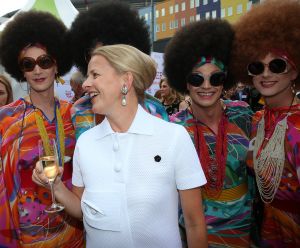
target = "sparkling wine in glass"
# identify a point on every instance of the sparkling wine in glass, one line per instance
(48, 156)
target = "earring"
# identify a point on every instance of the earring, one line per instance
(293, 86)
(124, 91)
(59, 79)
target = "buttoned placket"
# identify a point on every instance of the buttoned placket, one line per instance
(120, 155)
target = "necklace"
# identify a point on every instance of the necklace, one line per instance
(268, 165)
(213, 165)
(269, 156)
(59, 129)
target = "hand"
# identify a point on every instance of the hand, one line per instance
(38, 176)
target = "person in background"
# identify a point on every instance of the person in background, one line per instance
(104, 24)
(196, 61)
(6, 94)
(266, 54)
(227, 94)
(76, 82)
(33, 48)
(242, 93)
(170, 98)
(157, 94)
(124, 187)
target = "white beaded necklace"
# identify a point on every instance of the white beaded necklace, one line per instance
(269, 165)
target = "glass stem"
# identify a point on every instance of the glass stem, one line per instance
(52, 193)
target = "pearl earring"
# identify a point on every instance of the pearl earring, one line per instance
(124, 91)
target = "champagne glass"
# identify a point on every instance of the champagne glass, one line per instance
(48, 156)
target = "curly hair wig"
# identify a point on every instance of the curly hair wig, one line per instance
(29, 28)
(106, 23)
(203, 38)
(271, 25)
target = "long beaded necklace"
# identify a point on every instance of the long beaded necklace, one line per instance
(269, 155)
(214, 165)
(59, 129)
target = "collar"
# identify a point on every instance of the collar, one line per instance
(142, 124)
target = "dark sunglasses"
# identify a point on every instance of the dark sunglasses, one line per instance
(45, 61)
(278, 66)
(215, 79)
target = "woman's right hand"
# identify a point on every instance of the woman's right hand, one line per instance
(39, 177)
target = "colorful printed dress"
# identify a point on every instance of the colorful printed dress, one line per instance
(23, 220)
(229, 217)
(84, 118)
(281, 218)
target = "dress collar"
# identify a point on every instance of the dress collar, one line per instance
(142, 124)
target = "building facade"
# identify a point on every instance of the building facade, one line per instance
(171, 15)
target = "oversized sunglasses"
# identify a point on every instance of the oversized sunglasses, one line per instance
(215, 79)
(28, 64)
(278, 66)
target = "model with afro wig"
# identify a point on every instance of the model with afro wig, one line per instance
(272, 25)
(33, 47)
(206, 38)
(266, 54)
(196, 61)
(107, 23)
(29, 28)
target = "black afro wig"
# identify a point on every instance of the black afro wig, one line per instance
(203, 38)
(106, 23)
(34, 27)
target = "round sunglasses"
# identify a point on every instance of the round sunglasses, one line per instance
(278, 66)
(28, 64)
(215, 79)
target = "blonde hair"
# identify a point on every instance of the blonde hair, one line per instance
(4, 80)
(174, 95)
(125, 58)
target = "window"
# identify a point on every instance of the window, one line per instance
(192, 5)
(176, 8)
(229, 11)
(223, 13)
(163, 12)
(239, 9)
(182, 22)
(146, 16)
(176, 24)
(171, 24)
(207, 15)
(183, 6)
(214, 14)
(163, 27)
(197, 3)
(157, 28)
(171, 9)
(204, 2)
(192, 18)
(197, 17)
(249, 5)
(156, 13)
